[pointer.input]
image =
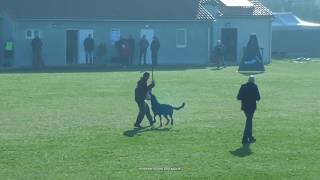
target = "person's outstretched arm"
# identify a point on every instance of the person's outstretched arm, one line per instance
(240, 93)
(258, 94)
(152, 85)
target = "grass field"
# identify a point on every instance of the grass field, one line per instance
(79, 125)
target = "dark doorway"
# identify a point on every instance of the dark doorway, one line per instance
(229, 38)
(72, 47)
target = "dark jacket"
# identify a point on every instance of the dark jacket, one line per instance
(249, 94)
(36, 45)
(219, 50)
(88, 44)
(125, 49)
(143, 44)
(155, 45)
(131, 45)
(142, 90)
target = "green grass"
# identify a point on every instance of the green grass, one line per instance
(74, 126)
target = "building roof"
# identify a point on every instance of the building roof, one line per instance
(107, 9)
(236, 8)
(260, 9)
(204, 14)
(237, 3)
(289, 21)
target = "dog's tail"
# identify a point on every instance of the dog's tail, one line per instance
(178, 108)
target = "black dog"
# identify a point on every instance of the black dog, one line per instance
(163, 110)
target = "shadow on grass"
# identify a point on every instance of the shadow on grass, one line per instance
(243, 151)
(139, 131)
(216, 69)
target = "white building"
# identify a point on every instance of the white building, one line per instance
(235, 21)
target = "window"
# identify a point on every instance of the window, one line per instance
(31, 33)
(115, 35)
(181, 38)
(36, 33)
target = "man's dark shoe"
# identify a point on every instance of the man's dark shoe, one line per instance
(252, 140)
(245, 142)
(137, 126)
(152, 123)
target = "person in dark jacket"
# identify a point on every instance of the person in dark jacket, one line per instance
(131, 43)
(219, 54)
(125, 52)
(88, 48)
(37, 51)
(140, 96)
(144, 45)
(155, 46)
(249, 94)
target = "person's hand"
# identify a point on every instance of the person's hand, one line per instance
(153, 82)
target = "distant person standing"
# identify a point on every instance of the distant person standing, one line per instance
(131, 43)
(125, 52)
(155, 46)
(219, 54)
(118, 49)
(37, 60)
(249, 94)
(140, 96)
(89, 47)
(144, 45)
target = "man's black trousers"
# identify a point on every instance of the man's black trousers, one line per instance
(143, 110)
(247, 134)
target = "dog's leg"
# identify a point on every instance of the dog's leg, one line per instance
(160, 120)
(171, 120)
(166, 116)
(154, 118)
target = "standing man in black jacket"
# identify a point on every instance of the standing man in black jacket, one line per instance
(249, 94)
(131, 43)
(144, 45)
(140, 95)
(36, 44)
(219, 51)
(89, 47)
(155, 46)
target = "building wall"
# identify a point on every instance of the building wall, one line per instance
(296, 43)
(246, 26)
(53, 35)
(7, 29)
(1, 38)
